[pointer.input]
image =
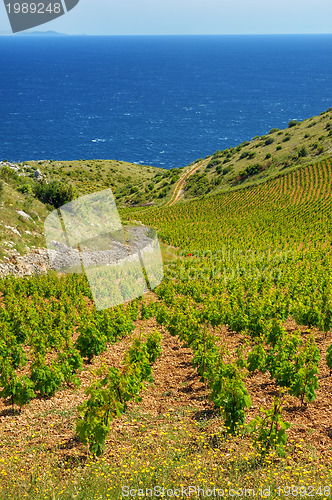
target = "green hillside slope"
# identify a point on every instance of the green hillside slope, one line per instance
(131, 184)
(263, 158)
(26, 198)
(293, 209)
(21, 218)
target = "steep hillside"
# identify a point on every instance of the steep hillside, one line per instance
(29, 191)
(21, 218)
(293, 209)
(263, 158)
(131, 184)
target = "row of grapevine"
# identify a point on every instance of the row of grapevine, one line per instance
(108, 396)
(226, 380)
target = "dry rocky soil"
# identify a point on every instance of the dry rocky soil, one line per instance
(176, 387)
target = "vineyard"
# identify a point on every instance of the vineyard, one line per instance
(267, 261)
(227, 363)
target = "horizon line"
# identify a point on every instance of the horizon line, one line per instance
(54, 33)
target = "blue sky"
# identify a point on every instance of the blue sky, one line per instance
(149, 17)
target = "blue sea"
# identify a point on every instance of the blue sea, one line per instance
(162, 101)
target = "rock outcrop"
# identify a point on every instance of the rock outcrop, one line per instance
(35, 262)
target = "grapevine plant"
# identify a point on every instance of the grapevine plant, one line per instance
(110, 394)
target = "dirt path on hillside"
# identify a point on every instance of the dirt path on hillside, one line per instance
(181, 182)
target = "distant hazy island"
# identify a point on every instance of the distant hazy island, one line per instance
(43, 33)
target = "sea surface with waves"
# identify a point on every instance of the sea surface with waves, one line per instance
(157, 100)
